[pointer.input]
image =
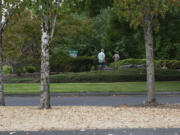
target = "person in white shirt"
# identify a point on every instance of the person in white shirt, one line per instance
(101, 58)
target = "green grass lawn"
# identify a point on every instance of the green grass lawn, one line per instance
(27, 88)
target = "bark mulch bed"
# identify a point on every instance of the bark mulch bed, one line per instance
(89, 117)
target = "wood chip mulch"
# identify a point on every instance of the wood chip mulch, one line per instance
(89, 117)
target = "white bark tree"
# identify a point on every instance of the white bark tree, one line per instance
(7, 9)
(47, 10)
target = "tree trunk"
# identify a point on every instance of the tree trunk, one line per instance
(45, 92)
(149, 60)
(2, 101)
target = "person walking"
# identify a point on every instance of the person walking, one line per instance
(101, 59)
(116, 58)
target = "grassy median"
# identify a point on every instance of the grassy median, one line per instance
(32, 88)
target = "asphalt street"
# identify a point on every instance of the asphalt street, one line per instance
(88, 100)
(172, 131)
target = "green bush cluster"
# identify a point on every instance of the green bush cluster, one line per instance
(29, 69)
(166, 64)
(170, 64)
(83, 63)
(127, 62)
(60, 61)
(7, 69)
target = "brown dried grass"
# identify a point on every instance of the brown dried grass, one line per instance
(88, 117)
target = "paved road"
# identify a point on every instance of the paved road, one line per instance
(89, 100)
(102, 132)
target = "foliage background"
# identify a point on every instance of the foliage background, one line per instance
(88, 27)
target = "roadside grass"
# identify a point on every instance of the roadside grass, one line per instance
(34, 88)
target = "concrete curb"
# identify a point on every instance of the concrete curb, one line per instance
(98, 94)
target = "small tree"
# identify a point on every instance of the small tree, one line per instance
(144, 13)
(7, 9)
(47, 11)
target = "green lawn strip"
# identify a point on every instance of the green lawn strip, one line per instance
(33, 88)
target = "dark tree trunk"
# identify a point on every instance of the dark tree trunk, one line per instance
(2, 101)
(149, 60)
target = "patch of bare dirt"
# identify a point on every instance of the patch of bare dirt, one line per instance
(88, 117)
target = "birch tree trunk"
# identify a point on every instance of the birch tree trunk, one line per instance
(149, 60)
(45, 92)
(2, 101)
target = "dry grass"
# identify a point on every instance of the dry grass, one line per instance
(78, 117)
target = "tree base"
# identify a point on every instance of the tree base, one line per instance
(151, 103)
(41, 108)
(2, 103)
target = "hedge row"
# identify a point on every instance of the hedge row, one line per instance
(166, 64)
(118, 76)
(102, 76)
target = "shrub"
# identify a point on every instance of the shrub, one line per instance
(83, 63)
(29, 69)
(60, 61)
(115, 76)
(7, 69)
(169, 64)
(128, 61)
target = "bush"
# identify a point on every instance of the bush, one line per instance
(128, 61)
(121, 75)
(168, 64)
(29, 69)
(7, 69)
(83, 63)
(60, 61)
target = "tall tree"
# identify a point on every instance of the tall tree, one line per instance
(90, 7)
(21, 42)
(144, 13)
(47, 10)
(7, 9)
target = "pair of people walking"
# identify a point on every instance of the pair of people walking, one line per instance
(101, 58)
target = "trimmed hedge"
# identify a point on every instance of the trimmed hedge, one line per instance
(123, 75)
(167, 64)
(118, 76)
